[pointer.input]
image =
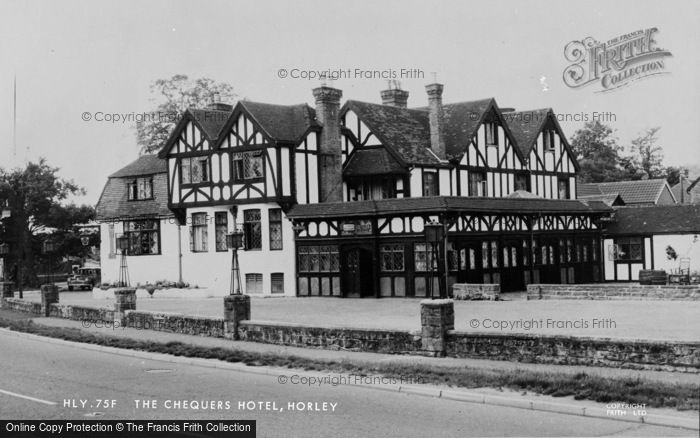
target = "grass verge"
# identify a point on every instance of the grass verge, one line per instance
(581, 386)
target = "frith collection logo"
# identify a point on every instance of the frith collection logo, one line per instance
(615, 63)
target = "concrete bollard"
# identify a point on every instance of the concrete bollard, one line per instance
(436, 318)
(236, 309)
(49, 295)
(124, 299)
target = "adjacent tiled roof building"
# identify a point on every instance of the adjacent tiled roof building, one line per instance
(667, 219)
(114, 203)
(633, 193)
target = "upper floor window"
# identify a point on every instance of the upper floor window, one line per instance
(563, 186)
(548, 140)
(247, 165)
(491, 134)
(522, 182)
(374, 188)
(194, 170)
(140, 188)
(430, 187)
(477, 184)
(252, 229)
(144, 236)
(199, 233)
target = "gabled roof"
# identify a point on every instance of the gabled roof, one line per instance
(632, 192)
(662, 219)
(462, 119)
(285, 123)
(444, 204)
(612, 199)
(372, 161)
(406, 132)
(144, 165)
(210, 121)
(114, 204)
(688, 186)
(526, 126)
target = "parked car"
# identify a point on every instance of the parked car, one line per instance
(84, 278)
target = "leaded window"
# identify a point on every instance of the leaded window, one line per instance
(275, 219)
(423, 257)
(221, 229)
(144, 236)
(629, 248)
(391, 258)
(247, 166)
(253, 229)
(194, 170)
(140, 188)
(324, 258)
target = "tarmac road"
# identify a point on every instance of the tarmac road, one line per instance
(41, 380)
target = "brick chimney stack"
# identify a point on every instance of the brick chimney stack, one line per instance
(395, 97)
(330, 167)
(436, 118)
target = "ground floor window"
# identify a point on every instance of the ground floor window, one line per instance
(319, 270)
(144, 237)
(253, 283)
(277, 283)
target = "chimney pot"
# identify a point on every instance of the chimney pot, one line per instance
(395, 97)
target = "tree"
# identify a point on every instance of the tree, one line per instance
(673, 174)
(176, 95)
(34, 195)
(598, 153)
(647, 155)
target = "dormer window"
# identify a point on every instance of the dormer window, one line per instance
(548, 141)
(491, 134)
(140, 189)
(194, 170)
(247, 166)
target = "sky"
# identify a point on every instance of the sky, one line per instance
(75, 57)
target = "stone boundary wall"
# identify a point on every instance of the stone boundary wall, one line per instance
(567, 350)
(330, 338)
(476, 291)
(675, 356)
(609, 291)
(175, 323)
(79, 313)
(19, 305)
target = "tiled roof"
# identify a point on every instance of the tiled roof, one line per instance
(612, 199)
(688, 186)
(631, 192)
(367, 162)
(666, 219)
(114, 205)
(144, 165)
(405, 131)
(526, 126)
(444, 204)
(282, 122)
(587, 190)
(211, 121)
(462, 120)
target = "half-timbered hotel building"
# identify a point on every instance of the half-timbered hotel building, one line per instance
(333, 199)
